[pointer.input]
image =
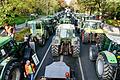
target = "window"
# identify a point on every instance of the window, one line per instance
(38, 26)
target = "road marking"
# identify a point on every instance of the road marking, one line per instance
(61, 58)
(81, 69)
(42, 61)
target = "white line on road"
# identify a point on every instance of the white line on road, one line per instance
(61, 58)
(81, 69)
(42, 62)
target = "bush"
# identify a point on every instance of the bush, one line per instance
(115, 23)
(20, 35)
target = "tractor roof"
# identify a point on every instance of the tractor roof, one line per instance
(66, 26)
(4, 40)
(99, 21)
(57, 70)
(114, 37)
(34, 22)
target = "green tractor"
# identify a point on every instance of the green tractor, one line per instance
(50, 24)
(65, 41)
(91, 31)
(107, 56)
(13, 56)
(39, 32)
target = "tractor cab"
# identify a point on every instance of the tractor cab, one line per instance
(36, 27)
(93, 26)
(66, 31)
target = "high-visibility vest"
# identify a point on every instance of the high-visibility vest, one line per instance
(29, 69)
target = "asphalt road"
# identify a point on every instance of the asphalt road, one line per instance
(88, 67)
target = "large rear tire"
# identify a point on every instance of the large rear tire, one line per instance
(104, 70)
(43, 41)
(14, 72)
(54, 51)
(93, 51)
(85, 38)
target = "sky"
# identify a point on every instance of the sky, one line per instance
(67, 2)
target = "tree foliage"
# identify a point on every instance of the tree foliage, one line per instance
(12, 8)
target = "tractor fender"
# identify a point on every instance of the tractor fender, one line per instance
(75, 41)
(5, 64)
(56, 40)
(110, 57)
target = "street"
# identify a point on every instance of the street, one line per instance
(88, 67)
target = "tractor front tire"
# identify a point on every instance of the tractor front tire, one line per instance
(43, 41)
(14, 72)
(104, 70)
(93, 50)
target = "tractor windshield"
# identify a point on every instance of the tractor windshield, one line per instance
(66, 33)
(92, 25)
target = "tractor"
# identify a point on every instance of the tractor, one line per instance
(107, 57)
(50, 24)
(65, 41)
(13, 56)
(39, 32)
(92, 31)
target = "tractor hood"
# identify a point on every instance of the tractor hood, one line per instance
(88, 30)
(110, 57)
(4, 40)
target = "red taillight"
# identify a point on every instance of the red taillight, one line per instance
(67, 74)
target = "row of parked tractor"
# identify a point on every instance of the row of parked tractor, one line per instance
(104, 41)
(70, 29)
(104, 48)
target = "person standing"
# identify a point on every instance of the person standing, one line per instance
(29, 70)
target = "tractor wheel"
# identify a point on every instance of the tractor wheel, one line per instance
(93, 50)
(43, 41)
(54, 51)
(76, 51)
(47, 36)
(85, 38)
(14, 72)
(104, 70)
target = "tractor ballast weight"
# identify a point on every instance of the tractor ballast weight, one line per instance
(65, 42)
